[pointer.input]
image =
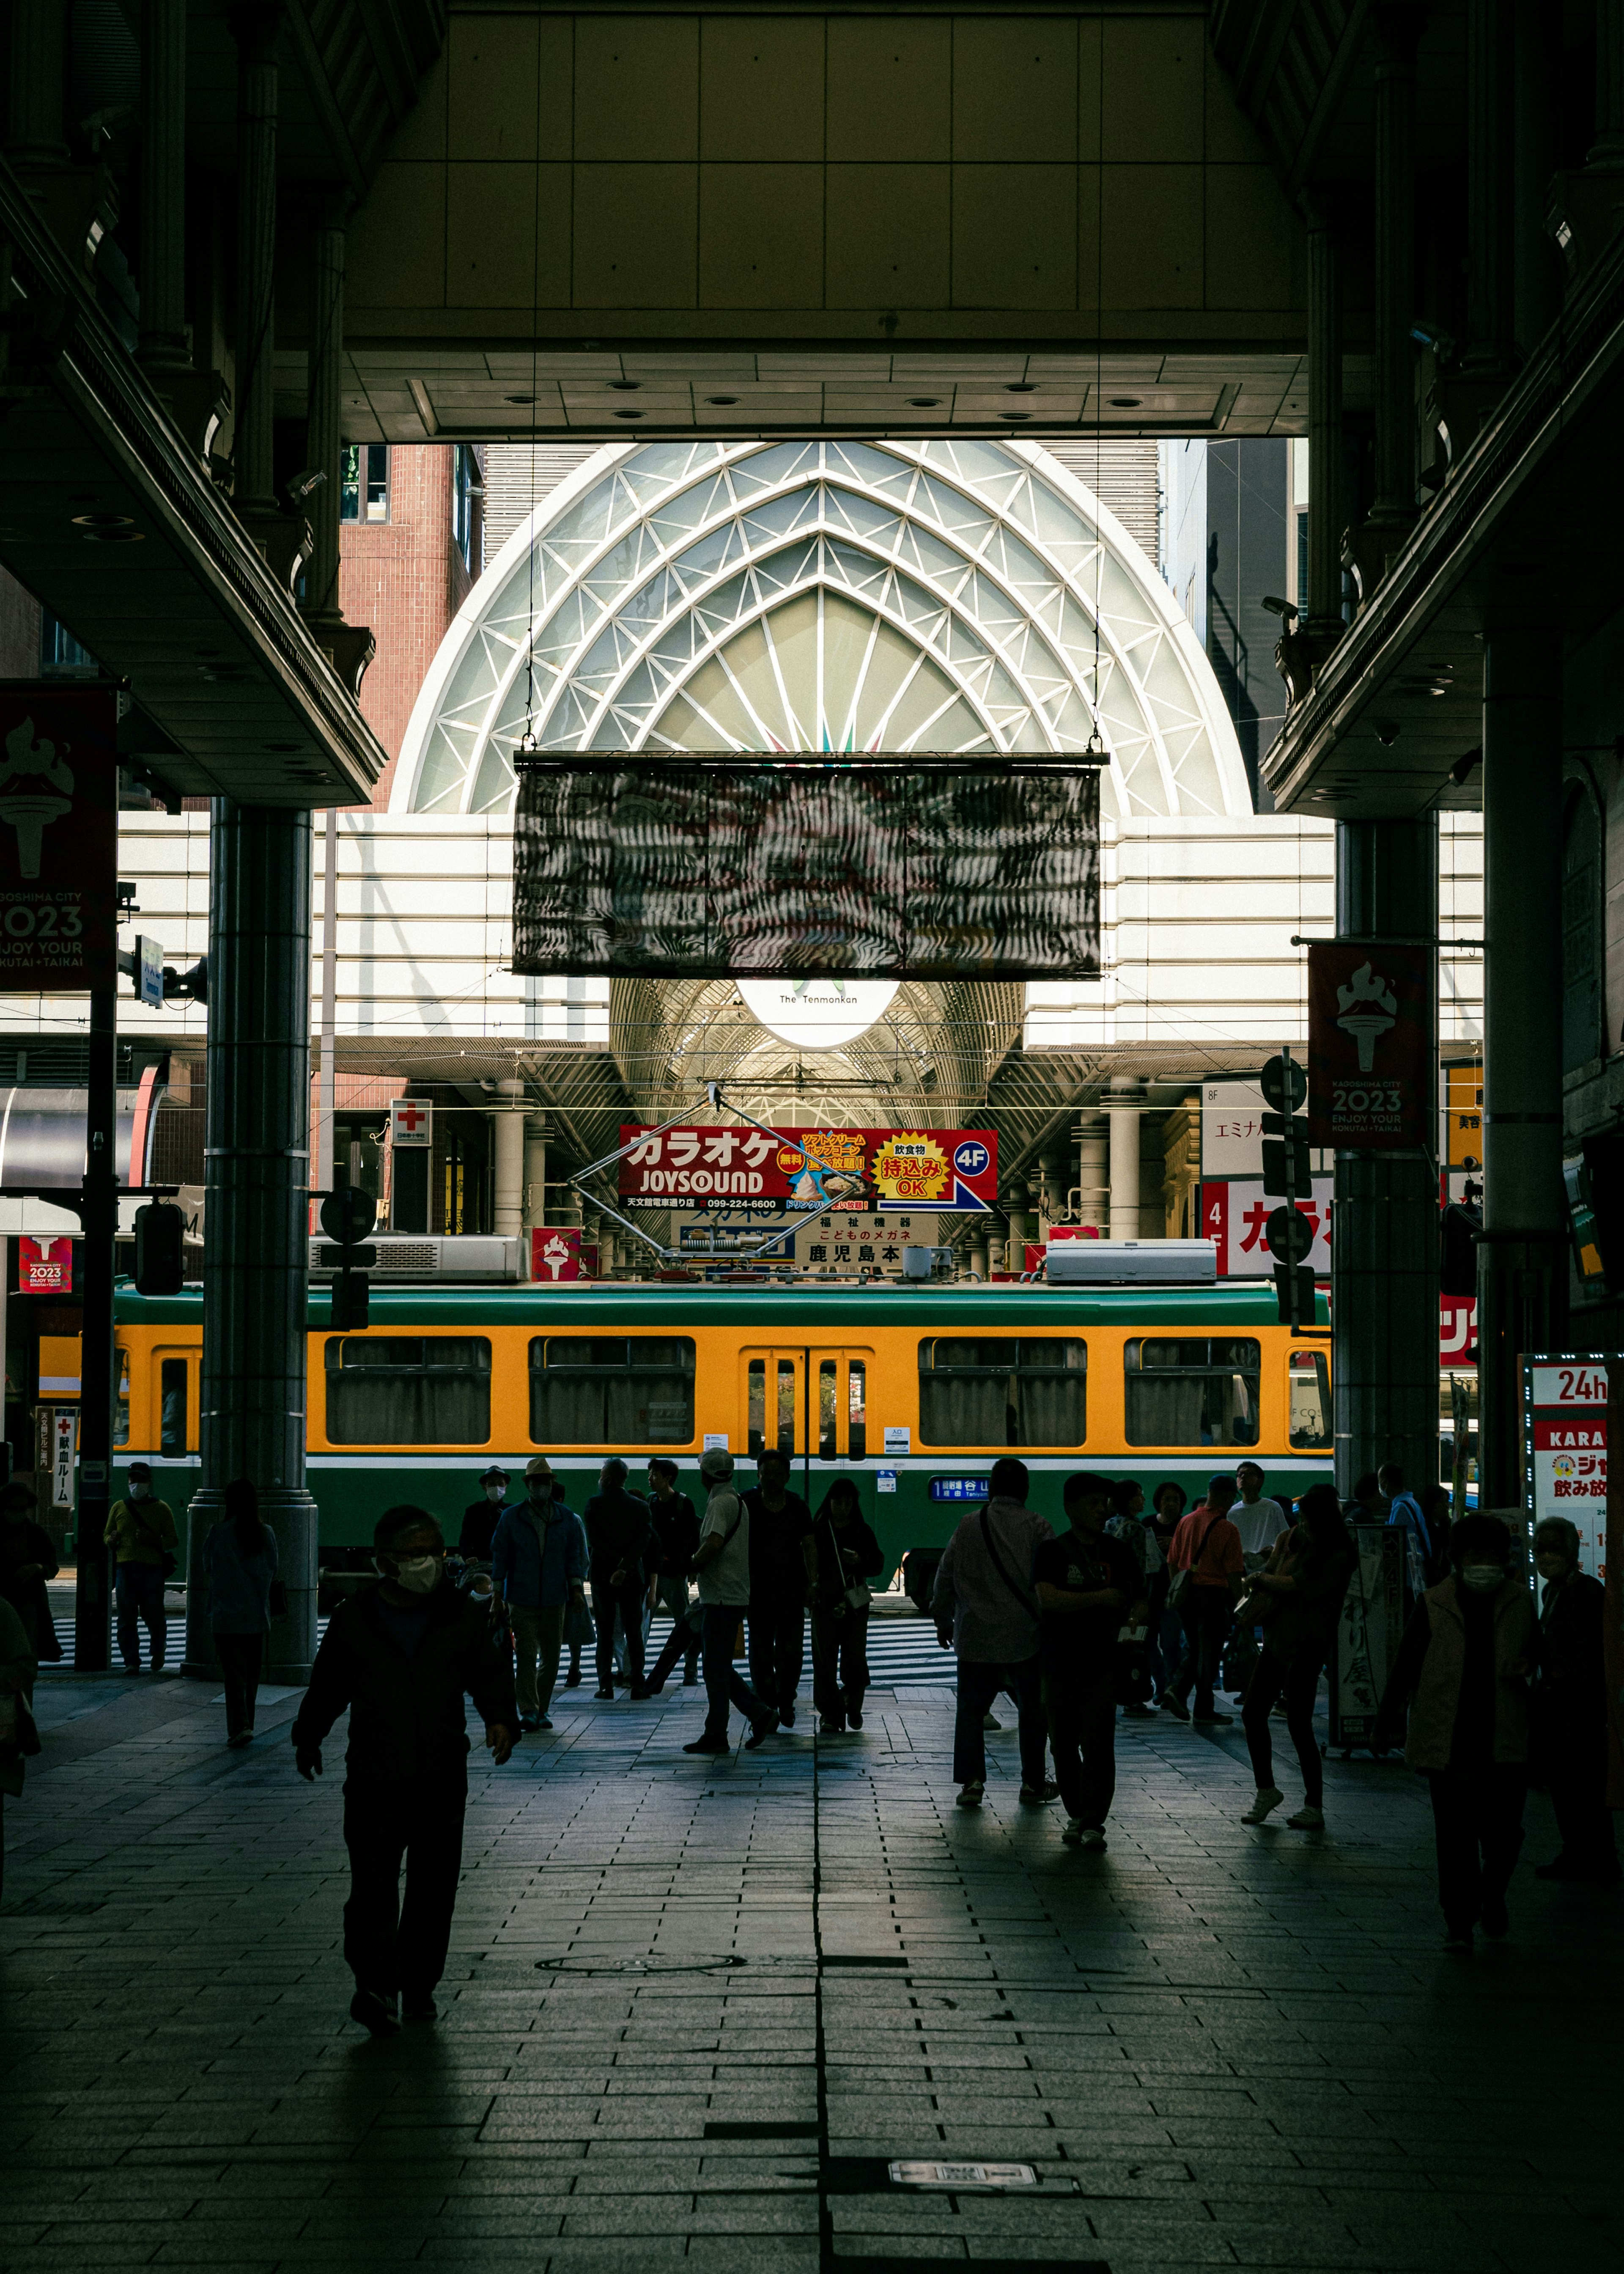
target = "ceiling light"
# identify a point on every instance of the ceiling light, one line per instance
(103, 521)
(112, 537)
(1124, 402)
(924, 401)
(722, 401)
(1014, 414)
(628, 414)
(1020, 387)
(626, 386)
(518, 398)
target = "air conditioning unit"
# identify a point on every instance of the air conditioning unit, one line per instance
(467, 1257)
(1131, 1263)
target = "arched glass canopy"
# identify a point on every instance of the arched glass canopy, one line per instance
(842, 596)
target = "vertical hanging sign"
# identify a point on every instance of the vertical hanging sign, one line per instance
(1370, 1045)
(58, 838)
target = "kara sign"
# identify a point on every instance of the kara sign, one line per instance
(815, 1168)
(1370, 1028)
(1234, 1216)
(45, 1264)
(1565, 1434)
(58, 838)
(818, 1014)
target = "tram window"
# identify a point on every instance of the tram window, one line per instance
(827, 1435)
(172, 1409)
(1194, 1391)
(610, 1389)
(1003, 1393)
(1311, 1401)
(857, 1415)
(776, 1414)
(121, 1410)
(415, 1389)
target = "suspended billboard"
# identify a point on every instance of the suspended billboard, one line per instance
(924, 1170)
(58, 838)
(887, 866)
(1371, 1020)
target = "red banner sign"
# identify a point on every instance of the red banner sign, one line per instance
(1370, 1045)
(555, 1254)
(45, 1265)
(58, 838)
(921, 1170)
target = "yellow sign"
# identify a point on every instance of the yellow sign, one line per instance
(911, 1166)
(1464, 1100)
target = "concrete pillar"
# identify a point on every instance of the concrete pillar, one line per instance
(255, 30)
(1322, 603)
(1397, 31)
(325, 440)
(507, 1208)
(1489, 185)
(1125, 1142)
(1093, 1176)
(38, 66)
(1383, 1228)
(163, 185)
(257, 1174)
(535, 1211)
(1522, 1262)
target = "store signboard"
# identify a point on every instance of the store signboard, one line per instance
(411, 1121)
(1457, 1328)
(1235, 1215)
(58, 838)
(1370, 1045)
(1565, 1449)
(64, 1446)
(814, 1168)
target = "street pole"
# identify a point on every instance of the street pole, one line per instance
(92, 1609)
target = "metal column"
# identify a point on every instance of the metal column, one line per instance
(324, 445)
(255, 1270)
(1397, 32)
(1384, 1227)
(91, 1605)
(1523, 1260)
(163, 185)
(1322, 603)
(256, 30)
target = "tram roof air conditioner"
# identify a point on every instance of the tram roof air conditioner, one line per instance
(1131, 1263)
(405, 1256)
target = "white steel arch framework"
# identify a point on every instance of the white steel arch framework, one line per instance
(937, 595)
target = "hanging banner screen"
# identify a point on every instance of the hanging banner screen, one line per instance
(58, 838)
(1370, 1045)
(890, 866)
(929, 1169)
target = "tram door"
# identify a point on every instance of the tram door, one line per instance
(174, 1384)
(831, 1424)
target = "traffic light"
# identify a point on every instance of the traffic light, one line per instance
(1457, 1249)
(160, 1234)
(347, 1215)
(1286, 1177)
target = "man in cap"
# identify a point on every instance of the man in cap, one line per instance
(481, 1516)
(539, 1565)
(722, 1564)
(140, 1531)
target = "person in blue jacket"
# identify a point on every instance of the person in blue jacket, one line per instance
(538, 1566)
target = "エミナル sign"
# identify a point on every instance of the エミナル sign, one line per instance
(58, 838)
(1370, 1045)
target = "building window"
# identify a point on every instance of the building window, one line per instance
(61, 656)
(1003, 1393)
(1191, 1392)
(173, 1429)
(607, 1390)
(467, 491)
(364, 483)
(417, 1389)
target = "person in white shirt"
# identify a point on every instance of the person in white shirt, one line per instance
(722, 1566)
(1260, 1520)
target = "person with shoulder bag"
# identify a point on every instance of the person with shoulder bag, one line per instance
(19, 1739)
(140, 1531)
(239, 1571)
(987, 1613)
(1089, 1587)
(848, 1555)
(1298, 1599)
(1206, 1565)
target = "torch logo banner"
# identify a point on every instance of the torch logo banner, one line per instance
(1370, 1045)
(928, 1170)
(58, 838)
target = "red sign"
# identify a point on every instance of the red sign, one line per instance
(1457, 1329)
(45, 1266)
(410, 1122)
(920, 1170)
(1235, 1215)
(1370, 1044)
(555, 1254)
(58, 838)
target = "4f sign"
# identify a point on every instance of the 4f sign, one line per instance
(411, 1122)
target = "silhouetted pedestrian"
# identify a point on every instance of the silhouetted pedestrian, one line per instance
(538, 1566)
(28, 1561)
(1298, 1599)
(1206, 1547)
(18, 1739)
(400, 1656)
(239, 1571)
(1570, 1709)
(781, 1569)
(722, 1562)
(140, 1531)
(618, 1531)
(670, 1560)
(847, 1556)
(1167, 1628)
(987, 1613)
(1089, 1587)
(1462, 1673)
(481, 1516)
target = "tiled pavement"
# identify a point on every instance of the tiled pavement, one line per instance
(1217, 2047)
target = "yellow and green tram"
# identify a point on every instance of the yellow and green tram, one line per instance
(913, 1391)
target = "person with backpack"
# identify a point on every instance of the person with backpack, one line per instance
(721, 1564)
(538, 1567)
(1206, 1565)
(1088, 1585)
(847, 1556)
(239, 1571)
(1297, 1599)
(140, 1531)
(987, 1613)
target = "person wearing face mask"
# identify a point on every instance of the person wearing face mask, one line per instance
(481, 1516)
(140, 1531)
(539, 1565)
(400, 1656)
(1461, 1676)
(1570, 1709)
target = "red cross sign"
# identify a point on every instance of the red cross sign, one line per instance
(410, 1121)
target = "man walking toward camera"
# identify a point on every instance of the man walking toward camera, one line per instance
(1089, 1587)
(618, 1531)
(722, 1564)
(140, 1531)
(400, 1656)
(987, 1613)
(1208, 1565)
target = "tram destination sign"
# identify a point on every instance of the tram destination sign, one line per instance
(1370, 1045)
(924, 1171)
(58, 838)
